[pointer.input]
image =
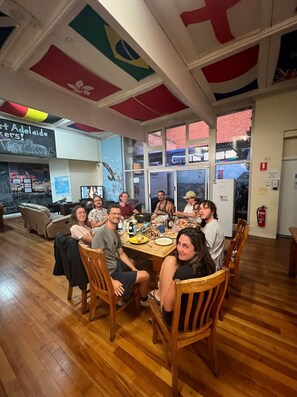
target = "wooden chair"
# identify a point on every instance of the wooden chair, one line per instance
(232, 258)
(84, 298)
(101, 285)
(203, 298)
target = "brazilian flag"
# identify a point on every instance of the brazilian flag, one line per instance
(97, 32)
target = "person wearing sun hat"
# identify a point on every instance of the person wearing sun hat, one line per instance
(188, 212)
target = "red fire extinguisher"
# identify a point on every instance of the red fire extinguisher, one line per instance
(261, 216)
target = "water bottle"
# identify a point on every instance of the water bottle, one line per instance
(121, 224)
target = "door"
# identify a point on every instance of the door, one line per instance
(288, 197)
(160, 180)
(195, 180)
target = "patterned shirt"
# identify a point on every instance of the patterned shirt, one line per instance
(97, 215)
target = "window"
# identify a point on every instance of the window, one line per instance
(155, 151)
(176, 146)
(233, 146)
(133, 154)
(233, 136)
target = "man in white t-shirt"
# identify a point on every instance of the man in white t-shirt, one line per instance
(213, 232)
(188, 212)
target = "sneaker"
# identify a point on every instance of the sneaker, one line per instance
(121, 302)
(152, 295)
(144, 303)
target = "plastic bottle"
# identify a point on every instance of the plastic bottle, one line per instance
(121, 224)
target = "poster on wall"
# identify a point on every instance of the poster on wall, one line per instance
(27, 185)
(62, 185)
(26, 140)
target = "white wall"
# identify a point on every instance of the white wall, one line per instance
(78, 172)
(272, 117)
(83, 173)
(71, 145)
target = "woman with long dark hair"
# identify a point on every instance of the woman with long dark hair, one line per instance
(192, 260)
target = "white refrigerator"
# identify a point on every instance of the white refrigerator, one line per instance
(223, 197)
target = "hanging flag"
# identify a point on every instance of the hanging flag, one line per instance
(57, 67)
(27, 113)
(97, 32)
(150, 105)
(233, 75)
(83, 127)
(7, 26)
(287, 60)
(216, 13)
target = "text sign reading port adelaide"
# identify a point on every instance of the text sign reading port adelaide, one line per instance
(26, 140)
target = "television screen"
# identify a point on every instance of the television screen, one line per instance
(88, 192)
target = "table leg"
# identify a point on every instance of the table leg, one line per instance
(157, 263)
(293, 259)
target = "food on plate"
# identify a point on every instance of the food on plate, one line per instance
(151, 233)
(171, 234)
(138, 239)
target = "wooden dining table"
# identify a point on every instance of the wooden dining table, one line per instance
(151, 250)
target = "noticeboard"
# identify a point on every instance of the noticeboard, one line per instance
(26, 140)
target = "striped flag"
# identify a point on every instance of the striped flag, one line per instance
(233, 75)
(27, 113)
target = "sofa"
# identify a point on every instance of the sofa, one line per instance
(45, 223)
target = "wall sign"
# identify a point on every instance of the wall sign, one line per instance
(26, 140)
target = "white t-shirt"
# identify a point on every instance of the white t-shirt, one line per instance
(215, 241)
(188, 208)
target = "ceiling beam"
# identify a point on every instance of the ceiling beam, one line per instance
(137, 26)
(21, 89)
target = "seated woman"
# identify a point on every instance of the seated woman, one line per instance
(126, 209)
(191, 261)
(80, 229)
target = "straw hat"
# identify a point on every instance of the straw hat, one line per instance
(190, 194)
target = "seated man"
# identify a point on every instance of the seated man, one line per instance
(164, 206)
(98, 215)
(213, 232)
(188, 212)
(118, 264)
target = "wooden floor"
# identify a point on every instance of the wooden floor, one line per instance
(48, 349)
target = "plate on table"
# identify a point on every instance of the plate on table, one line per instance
(163, 241)
(138, 239)
(171, 234)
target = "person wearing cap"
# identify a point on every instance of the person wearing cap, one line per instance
(188, 212)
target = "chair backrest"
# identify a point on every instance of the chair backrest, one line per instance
(244, 232)
(197, 303)
(237, 243)
(241, 225)
(95, 264)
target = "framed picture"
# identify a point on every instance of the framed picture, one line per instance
(16, 181)
(27, 185)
